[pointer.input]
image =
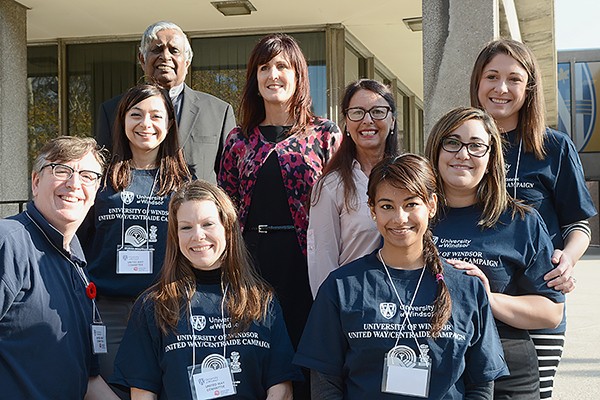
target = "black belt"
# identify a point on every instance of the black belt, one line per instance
(271, 228)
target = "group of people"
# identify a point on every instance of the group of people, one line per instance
(285, 258)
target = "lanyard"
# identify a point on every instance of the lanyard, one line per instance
(517, 168)
(194, 334)
(90, 288)
(147, 215)
(406, 310)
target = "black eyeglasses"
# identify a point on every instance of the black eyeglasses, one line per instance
(64, 172)
(358, 113)
(452, 145)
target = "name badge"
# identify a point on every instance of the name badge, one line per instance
(134, 261)
(99, 339)
(212, 381)
(404, 374)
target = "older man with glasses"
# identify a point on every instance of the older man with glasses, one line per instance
(50, 329)
(204, 121)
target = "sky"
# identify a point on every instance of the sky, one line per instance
(577, 24)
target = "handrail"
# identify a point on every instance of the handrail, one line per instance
(21, 203)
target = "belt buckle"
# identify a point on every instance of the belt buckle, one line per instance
(262, 228)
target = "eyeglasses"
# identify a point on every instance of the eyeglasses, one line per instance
(358, 113)
(64, 172)
(452, 145)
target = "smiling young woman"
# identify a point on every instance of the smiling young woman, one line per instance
(403, 304)
(484, 232)
(209, 313)
(543, 170)
(124, 233)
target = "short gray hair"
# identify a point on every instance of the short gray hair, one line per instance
(64, 149)
(150, 35)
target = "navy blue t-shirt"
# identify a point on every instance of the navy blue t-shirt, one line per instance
(554, 186)
(45, 315)
(260, 357)
(107, 233)
(514, 255)
(356, 319)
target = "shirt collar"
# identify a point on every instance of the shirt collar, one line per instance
(55, 237)
(176, 91)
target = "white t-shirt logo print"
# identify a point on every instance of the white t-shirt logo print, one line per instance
(198, 322)
(388, 310)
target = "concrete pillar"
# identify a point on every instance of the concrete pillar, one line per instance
(537, 30)
(453, 34)
(13, 106)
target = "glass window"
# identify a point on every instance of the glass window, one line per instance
(42, 107)
(564, 97)
(219, 66)
(96, 72)
(419, 134)
(381, 78)
(401, 103)
(587, 91)
(351, 66)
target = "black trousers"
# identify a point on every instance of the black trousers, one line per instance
(280, 261)
(523, 383)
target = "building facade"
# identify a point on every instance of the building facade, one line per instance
(64, 61)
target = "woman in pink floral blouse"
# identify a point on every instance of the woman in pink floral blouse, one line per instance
(269, 165)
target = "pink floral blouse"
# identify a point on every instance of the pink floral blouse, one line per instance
(301, 158)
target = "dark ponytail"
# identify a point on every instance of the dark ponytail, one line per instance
(442, 307)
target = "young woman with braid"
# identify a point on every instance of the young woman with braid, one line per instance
(483, 231)
(429, 323)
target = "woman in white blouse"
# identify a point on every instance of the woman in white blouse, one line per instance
(340, 228)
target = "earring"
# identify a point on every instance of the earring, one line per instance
(347, 133)
(374, 217)
(391, 131)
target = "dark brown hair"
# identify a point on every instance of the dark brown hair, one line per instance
(491, 194)
(252, 107)
(172, 168)
(248, 296)
(342, 160)
(531, 125)
(414, 174)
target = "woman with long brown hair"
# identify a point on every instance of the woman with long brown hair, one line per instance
(340, 228)
(483, 231)
(124, 234)
(543, 169)
(269, 166)
(430, 324)
(210, 318)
